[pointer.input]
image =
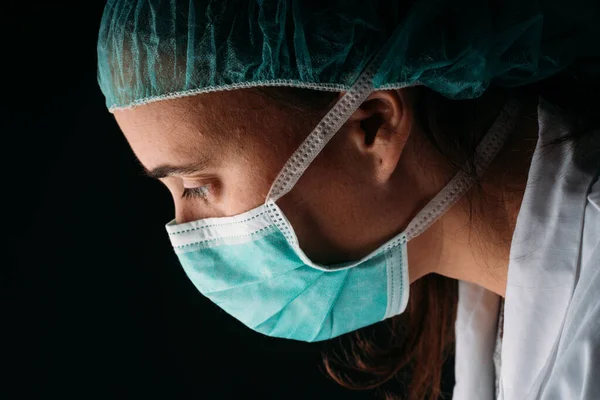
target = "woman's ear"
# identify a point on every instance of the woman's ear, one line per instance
(380, 130)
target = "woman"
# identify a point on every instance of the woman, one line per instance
(326, 160)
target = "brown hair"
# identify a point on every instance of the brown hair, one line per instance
(406, 354)
(407, 351)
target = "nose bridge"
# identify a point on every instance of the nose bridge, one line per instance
(186, 211)
(182, 214)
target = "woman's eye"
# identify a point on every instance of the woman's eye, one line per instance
(200, 192)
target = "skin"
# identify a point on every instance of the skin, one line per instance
(376, 173)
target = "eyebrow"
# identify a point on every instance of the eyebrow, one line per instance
(162, 171)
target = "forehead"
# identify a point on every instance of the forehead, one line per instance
(160, 123)
(184, 127)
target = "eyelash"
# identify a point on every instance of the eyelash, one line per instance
(195, 193)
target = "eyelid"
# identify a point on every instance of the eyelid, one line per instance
(193, 186)
(198, 180)
(201, 192)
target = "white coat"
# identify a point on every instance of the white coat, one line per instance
(551, 344)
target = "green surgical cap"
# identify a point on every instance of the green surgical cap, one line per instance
(151, 50)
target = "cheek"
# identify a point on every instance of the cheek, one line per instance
(330, 213)
(250, 172)
(244, 187)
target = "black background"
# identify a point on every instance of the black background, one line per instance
(94, 302)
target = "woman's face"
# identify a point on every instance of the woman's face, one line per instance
(219, 153)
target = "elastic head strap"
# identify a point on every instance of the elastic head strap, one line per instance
(486, 151)
(322, 134)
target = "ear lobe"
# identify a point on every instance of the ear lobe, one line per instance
(385, 121)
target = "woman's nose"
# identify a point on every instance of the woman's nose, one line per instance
(186, 211)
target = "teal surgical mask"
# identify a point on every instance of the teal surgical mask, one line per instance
(252, 266)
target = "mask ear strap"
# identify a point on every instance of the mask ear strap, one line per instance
(486, 150)
(320, 136)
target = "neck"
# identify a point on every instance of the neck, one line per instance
(471, 242)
